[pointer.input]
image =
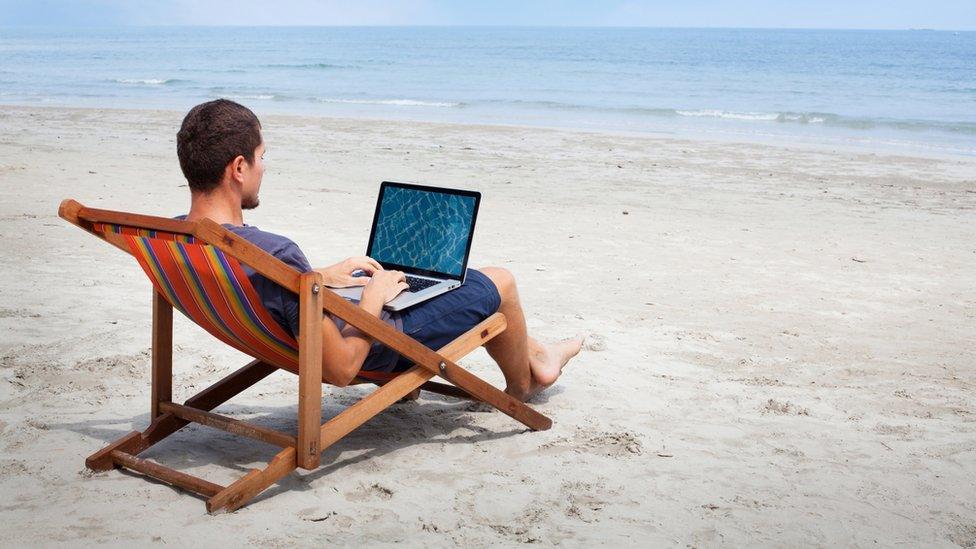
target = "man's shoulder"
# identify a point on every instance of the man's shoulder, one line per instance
(267, 240)
(277, 245)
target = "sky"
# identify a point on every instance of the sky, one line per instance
(835, 14)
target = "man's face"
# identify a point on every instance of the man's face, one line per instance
(253, 173)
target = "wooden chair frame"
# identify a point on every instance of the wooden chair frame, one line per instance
(303, 450)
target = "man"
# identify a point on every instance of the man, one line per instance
(221, 154)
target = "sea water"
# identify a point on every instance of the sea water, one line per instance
(902, 88)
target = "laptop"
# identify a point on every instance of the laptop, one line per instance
(426, 232)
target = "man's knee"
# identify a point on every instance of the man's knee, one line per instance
(503, 279)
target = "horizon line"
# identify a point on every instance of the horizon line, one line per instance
(341, 25)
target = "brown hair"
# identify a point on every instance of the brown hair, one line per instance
(212, 135)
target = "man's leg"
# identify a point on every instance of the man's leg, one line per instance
(528, 366)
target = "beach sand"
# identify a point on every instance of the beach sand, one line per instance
(783, 346)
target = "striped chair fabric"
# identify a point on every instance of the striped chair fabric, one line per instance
(212, 290)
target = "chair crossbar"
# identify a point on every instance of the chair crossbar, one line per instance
(162, 473)
(228, 424)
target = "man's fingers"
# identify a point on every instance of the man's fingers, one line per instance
(370, 264)
(361, 264)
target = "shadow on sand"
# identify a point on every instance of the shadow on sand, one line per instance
(431, 420)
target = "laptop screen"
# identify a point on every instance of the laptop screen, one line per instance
(426, 230)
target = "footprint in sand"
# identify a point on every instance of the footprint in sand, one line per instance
(585, 501)
(372, 492)
(18, 313)
(962, 532)
(613, 444)
(596, 342)
(783, 408)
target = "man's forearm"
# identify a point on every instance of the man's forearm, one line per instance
(371, 303)
(356, 342)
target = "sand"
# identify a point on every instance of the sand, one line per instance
(783, 346)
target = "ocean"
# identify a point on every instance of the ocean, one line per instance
(905, 89)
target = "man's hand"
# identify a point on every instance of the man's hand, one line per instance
(340, 274)
(383, 287)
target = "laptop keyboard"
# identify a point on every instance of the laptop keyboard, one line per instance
(417, 284)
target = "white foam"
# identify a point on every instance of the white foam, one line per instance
(145, 81)
(801, 118)
(397, 102)
(713, 113)
(262, 96)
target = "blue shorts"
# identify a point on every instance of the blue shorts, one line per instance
(438, 321)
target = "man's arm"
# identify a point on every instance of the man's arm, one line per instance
(343, 352)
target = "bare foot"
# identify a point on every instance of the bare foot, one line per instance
(547, 361)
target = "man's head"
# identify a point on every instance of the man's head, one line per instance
(220, 143)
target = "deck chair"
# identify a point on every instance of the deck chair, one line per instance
(198, 269)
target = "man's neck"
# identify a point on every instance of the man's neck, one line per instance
(219, 206)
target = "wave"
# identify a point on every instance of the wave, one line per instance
(835, 120)
(257, 96)
(802, 118)
(265, 95)
(838, 120)
(396, 102)
(714, 113)
(147, 81)
(213, 71)
(255, 93)
(770, 117)
(309, 66)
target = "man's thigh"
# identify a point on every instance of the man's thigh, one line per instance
(438, 321)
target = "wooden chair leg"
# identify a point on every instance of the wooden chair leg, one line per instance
(162, 353)
(102, 459)
(309, 369)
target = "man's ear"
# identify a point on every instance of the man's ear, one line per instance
(237, 168)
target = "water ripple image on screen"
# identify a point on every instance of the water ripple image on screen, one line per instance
(423, 229)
